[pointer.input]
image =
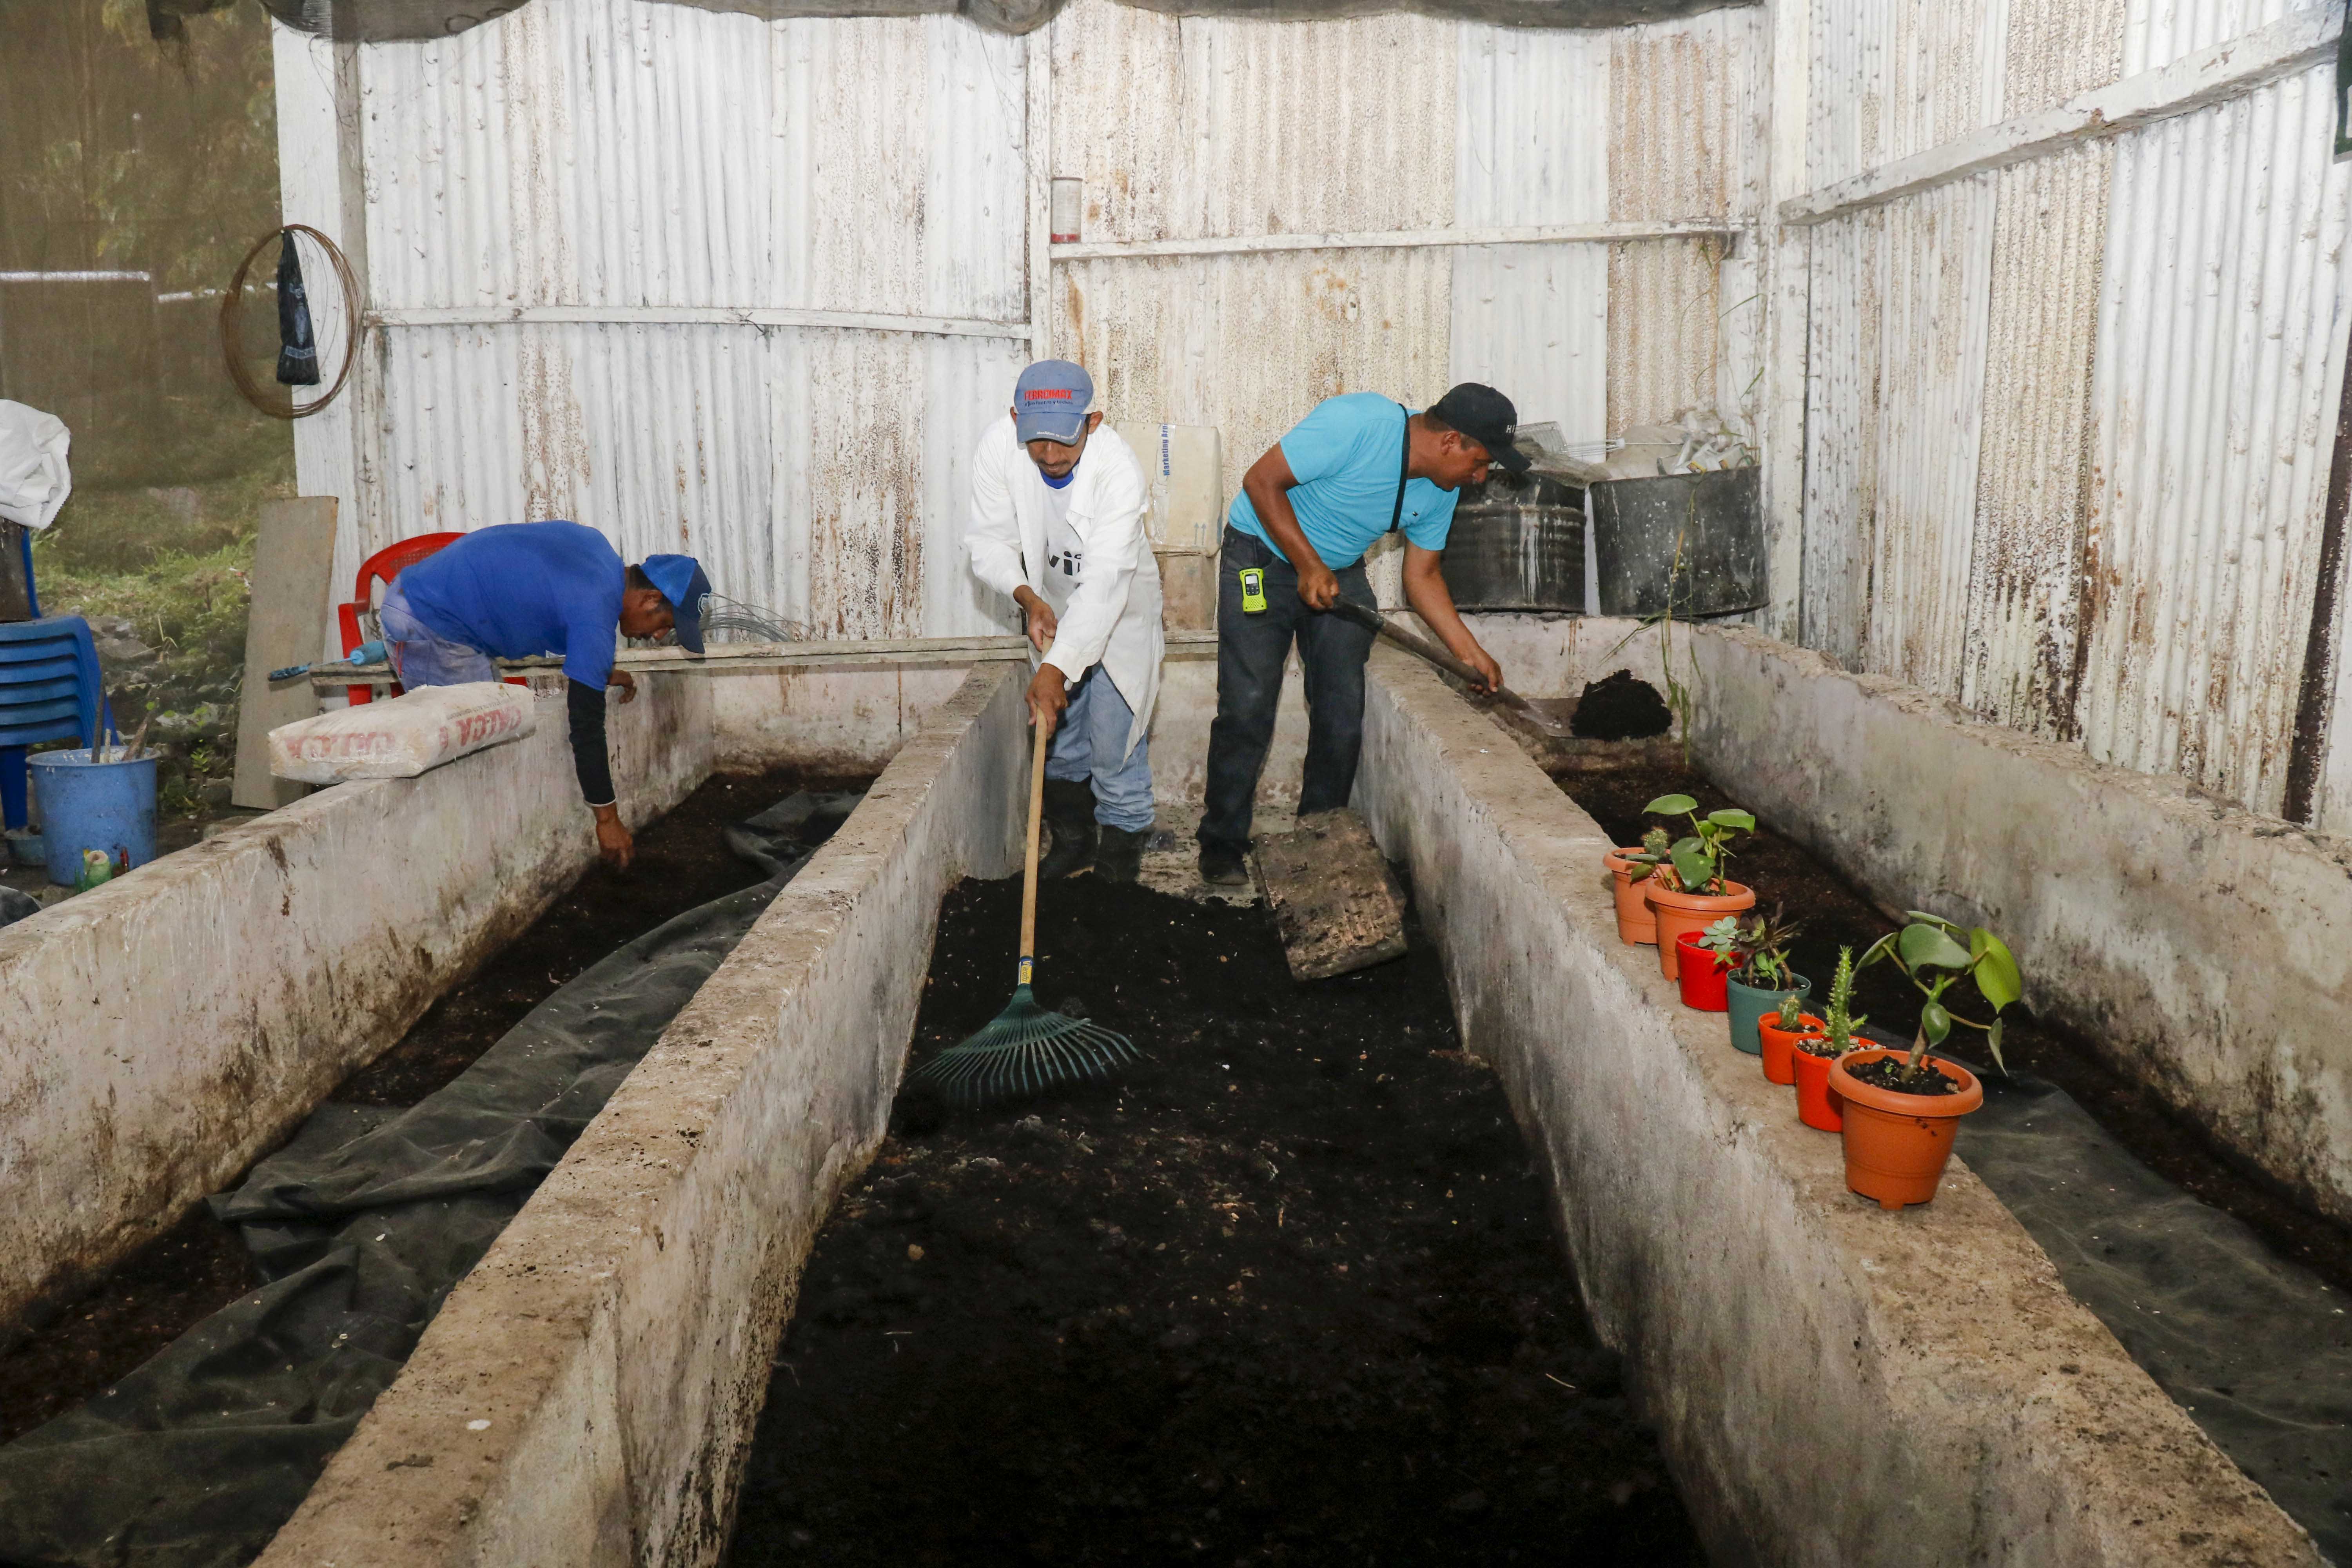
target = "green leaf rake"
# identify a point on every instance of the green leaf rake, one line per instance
(1026, 1048)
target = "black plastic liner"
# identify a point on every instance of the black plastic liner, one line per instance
(2256, 1348)
(362, 1225)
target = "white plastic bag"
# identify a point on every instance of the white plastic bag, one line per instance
(402, 737)
(34, 476)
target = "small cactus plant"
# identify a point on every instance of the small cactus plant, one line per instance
(1838, 1021)
(1792, 1014)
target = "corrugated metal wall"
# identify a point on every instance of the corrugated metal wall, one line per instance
(650, 174)
(2068, 422)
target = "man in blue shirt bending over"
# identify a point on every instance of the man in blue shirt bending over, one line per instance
(526, 588)
(1356, 467)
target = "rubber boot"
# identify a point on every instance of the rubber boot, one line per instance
(1070, 815)
(1118, 854)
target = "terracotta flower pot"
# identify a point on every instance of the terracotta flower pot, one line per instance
(1817, 1102)
(1896, 1143)
(1678, 912)
(1702, 976)
(1781, 1044)
(1636, 923)
(1749, 1005)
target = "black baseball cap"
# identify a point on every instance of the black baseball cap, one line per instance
(1487, 416)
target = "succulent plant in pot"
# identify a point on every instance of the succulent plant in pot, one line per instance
(1757, 949)
(1687, 885)
(1813, 1056)
(1902, 1107)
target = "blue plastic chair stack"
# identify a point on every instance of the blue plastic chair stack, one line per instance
(49, 691)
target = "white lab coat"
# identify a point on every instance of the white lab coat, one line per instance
(1113, 615)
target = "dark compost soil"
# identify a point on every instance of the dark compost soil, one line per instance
(199, 1265)
(1836, 914)
(1286, 1292)
(1620, 706)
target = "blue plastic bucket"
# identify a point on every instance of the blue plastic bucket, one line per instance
(94, 805)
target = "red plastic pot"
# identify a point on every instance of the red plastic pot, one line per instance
(1896, 1143)
(1701, 974)
(1818, 1104)
(1781, 1044)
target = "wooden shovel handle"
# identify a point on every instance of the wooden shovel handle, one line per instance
(1029, 870)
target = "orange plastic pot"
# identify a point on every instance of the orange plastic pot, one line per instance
(1896, 1143)
(1703, 975)
(1678, 912)
(1817, 1102)
(1781, 1044)
(1636, 923)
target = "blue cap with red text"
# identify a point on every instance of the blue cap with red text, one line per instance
(1050, 402)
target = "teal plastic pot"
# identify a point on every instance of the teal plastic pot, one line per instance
(1749, 1005)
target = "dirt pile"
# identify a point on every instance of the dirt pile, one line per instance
(1620, 706)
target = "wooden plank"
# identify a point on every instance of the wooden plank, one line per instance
(293, 557)
(1334, 901)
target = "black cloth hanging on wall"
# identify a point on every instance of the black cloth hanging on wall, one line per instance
(297, 350)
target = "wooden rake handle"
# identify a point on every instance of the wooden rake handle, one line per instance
(1029, 870)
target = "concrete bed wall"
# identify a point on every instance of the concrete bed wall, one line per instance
(1832, 1385)
(163, 1031)
(587, 1394)
(2205, 951)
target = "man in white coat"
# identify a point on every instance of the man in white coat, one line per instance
(1056, 525)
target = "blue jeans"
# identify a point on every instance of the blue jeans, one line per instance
(421, 656)
(1088, 744)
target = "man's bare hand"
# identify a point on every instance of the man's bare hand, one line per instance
(1047, 698)
(625, 682)
(613, 839)
(1043, 623)
(1319, 586)
(1479, 659)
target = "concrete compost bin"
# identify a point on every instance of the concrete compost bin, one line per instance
(1831, 1384)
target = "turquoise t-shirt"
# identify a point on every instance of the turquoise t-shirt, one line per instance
(1345, 455)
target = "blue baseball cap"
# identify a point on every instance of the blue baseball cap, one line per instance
(681, 581)
(1050, 402)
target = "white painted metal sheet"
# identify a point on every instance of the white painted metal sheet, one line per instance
(1842, 433)
(1193, 127)
(611, 155)
(1683, 140)
(1891, 78)
(1533, 319)
(1936, 288)
(2211, 407)
(2157, 32)
(2024, 584)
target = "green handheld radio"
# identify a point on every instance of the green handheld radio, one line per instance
(1253, 590)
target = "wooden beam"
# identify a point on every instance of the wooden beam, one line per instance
(1408, 239)
(934, 653)
(2195, 81)
(688, 316)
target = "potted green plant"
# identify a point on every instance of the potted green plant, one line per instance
(1778, 1033)
(1902, 1107)
(1756, 950)
(1813, 1056)
(1628, 869)
(1687, 887)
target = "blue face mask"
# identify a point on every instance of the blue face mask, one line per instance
(1061, 484)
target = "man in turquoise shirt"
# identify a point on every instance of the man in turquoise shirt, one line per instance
(1294, 541)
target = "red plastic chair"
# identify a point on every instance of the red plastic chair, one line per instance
(382, 567)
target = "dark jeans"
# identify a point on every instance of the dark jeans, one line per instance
(1250, 653)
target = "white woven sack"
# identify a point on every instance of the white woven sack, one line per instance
(402, 737)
